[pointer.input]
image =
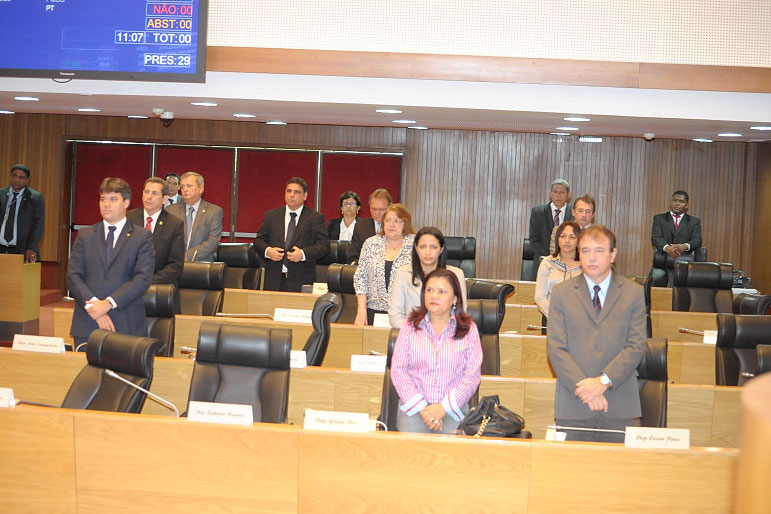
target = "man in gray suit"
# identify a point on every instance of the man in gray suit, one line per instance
(596, 339)
(203, 220)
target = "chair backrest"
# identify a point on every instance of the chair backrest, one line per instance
(243, 265)
(338, 253)
(317, 343)
(243, 364)
(664, 265)
(737, 337)
(752, 304)
(652, 381)
(340, 280)
(529, 268)
(129, 356)
(702, 287)
(477, 289)
(201, 288)
(161, 304)
(488, 320)
(647, 289)
(462, 253)
(764, 359)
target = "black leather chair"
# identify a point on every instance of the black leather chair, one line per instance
(201, 288)
(488, 320)
(652, 380)
(462, 253)
(662, 271)
(702, 287)
(647, 289)
(340, 281)
(338, 253)
(242, 364)
(243, 265)
(757, 304)
(529, 268)
(316, 345)
(161, 304)
(477, 289)
(764, 359)
(129, 356)
(737, 337)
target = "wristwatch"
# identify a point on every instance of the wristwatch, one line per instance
(604, 379)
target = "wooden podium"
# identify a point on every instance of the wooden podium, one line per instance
(19, 296)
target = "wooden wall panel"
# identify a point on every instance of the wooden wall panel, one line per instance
(473, 182)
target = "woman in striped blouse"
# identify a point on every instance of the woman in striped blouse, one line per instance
(437, 360)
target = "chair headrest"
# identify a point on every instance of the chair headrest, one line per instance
(653, 365)
(711, 275)
(486, 315)
(764, 358)
(751, 303)
(460, 248)
(244, 345)
(122, 353)
(203, 275)
(326, 305)
(238, 255)
(338, 252)
(488, 290)
(340, 278)
(161, 301)
(527, 251)
(743, 330)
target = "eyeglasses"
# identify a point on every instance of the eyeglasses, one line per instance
(151, 192)
(394, 220)
(349, 204)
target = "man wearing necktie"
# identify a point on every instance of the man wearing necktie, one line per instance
(23, 216)
(110, 268)
(676, 231)
(544, 218)
(596, 339)
(172, 179)
(203, 220)
(168, 231)
(291, 239)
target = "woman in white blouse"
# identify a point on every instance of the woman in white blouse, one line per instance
(562, 265)
(381, 255)
(342, 228)
(428, 254)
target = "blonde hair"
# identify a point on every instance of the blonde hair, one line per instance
(403, 214)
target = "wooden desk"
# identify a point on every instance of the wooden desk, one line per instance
(242, 301)
(83, 461)
(667, 324)
(518, 317)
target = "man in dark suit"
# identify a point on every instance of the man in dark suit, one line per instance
(168, 231)
(596, 339)
(110, 268)
(172, 180)
(292, 238)
(379, 201)
(23, 213)
(203, 220)
(543, 218)
(676, 231)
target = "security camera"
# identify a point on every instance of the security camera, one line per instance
(649, 136)
(168, 118)
(157, 111)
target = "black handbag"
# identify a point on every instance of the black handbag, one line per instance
(490, 418)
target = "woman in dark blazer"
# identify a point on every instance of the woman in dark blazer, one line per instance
(342, 228)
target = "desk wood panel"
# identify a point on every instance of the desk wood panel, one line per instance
(20, 289)
(251, 301)
(518, 317)
(667, 324)
(661, 299)
(63, 322)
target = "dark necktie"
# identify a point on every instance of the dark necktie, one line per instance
(171, 201)
(11, 221)
(677, 221)
(290, 231)
(189, 225)
(557, 217)
(596, 300)
(109, 243)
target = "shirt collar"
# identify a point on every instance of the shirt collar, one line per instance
(153, 216)
(603, 285)
(298, 211)
(18, 193)
(118, 226)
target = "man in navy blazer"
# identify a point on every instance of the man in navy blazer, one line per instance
(110, 268)
(676, 231)
(22, 216)
(290, 261)
(168, 231)
(543, 218)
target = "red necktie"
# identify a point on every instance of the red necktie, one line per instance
(677, 224)
(148, 226)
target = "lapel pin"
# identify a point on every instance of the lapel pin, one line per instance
(160, 223)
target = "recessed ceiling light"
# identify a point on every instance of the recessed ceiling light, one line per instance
(559, 134)
(7, 112)
(590, 139)
(756, 127)
(576, 118)
(567, 129)
(26, 98)
(389, 111)
(418, 127)
(275, 122)
(88, 109)
(244, 115)
(204, 104)
(136, 116)
(729, 134)
(406, 122)
(702, 140)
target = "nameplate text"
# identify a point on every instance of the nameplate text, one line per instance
(292, 315)
(298, 359)
(373, 363)
(40, 344)
(651, 437)
(227, 413)
(332, 421)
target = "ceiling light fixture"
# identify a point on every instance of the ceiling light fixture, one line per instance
(275, 122)
(26, 98)
(567, 129)
(7, 112)
(559, 134)
(729, 134)
(761, 127)
(406, 122)
(389, 111)
(136, 116)
(576, 118)
(590, 139)
(702, 140)
(88, 109)
(244, 115)
(418, 127)
(204, 104)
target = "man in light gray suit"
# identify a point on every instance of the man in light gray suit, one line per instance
(203, 220)
(596, 339)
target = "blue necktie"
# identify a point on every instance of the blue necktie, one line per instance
(596, 300)
(109, 243)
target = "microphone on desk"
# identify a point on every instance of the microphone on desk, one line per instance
(583, 429)
(535, 327)
(155, 397)
(684, 330)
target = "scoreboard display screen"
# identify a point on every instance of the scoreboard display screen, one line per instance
(104, 39)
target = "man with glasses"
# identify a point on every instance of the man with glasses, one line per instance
(168, 231)
(203, 220)
(379, 201)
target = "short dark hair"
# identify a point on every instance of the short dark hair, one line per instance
(115, 185)
(417, 269)
(681, 192)
(381, 194)
(560, 230)
(163, 183)
(20, 167)
(462, 318)
(172, 174)
(586, 199)
(300, 182)
(350, 194)
(598, 230)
